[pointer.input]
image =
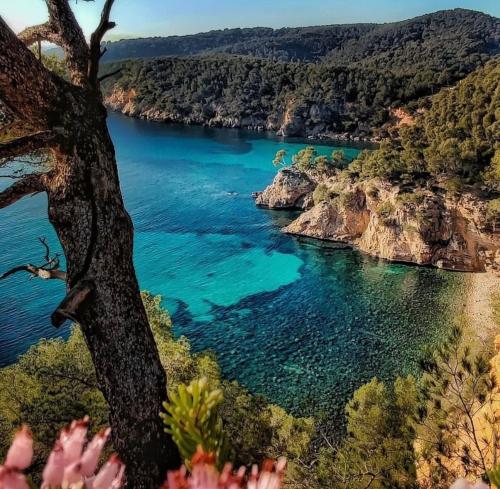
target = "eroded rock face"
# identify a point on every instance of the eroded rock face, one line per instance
(291, 189)
(421, 226)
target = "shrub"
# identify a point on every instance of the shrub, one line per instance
(323, 193)
(493, 210)
(193, 421)
(385, 211)
(55, 382)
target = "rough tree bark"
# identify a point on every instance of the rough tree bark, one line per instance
(85, 207)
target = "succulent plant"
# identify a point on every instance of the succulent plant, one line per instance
(192, 419)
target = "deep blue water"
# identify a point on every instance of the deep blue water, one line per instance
(293, 319)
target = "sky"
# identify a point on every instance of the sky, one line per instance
(142, 18)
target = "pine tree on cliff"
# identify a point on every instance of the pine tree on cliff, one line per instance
(67, 121)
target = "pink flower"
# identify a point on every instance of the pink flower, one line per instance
(21, 451)
(54, 470)
(109, 474)
(68, 465)
(72, 440)
(12, 479)
(205, 476)
(90, 458)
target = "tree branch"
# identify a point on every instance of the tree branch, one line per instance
(95, 42)
(71, 39)
(30, 184)
(27, 88)
(41, 32)
(43, 273)
(109, 75)
(26, 144)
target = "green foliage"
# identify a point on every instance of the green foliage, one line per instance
(456, 385)
(410, 198)
(378, 449)
(54, 383)
(323, 193)
(192, 419)
(385, 211)
(348, 199)
(385, 162)
(50, 385)
(453, 185)
(493, 210)
(435, 48)
(455, 137)
(306, 159)
(365, 70)
(279, 159)
(492, 173)
(494, 476)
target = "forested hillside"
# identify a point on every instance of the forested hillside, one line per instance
(294, 98)
(445, 39)
(238, 81)
(458, 135)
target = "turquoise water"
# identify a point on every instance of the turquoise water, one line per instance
(301, 322)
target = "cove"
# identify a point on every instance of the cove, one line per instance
(304, 323)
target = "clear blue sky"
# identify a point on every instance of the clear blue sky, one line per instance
(165, 17)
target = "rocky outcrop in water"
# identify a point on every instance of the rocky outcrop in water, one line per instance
(419, 225)
(291, 189)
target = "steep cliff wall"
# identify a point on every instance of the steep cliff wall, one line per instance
(417, 225)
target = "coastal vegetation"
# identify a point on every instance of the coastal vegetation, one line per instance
(392, 428)
(449, 42)
(351, 91)
(456, 136)
(122, 363)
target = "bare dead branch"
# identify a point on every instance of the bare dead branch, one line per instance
(95, 42)
(48, 271)
(26, 144)
(46, 247)
(68, 308)
(109, 75)
(40, 272)
(30, 184)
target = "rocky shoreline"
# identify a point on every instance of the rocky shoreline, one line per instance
(425, 225)
(308, 125)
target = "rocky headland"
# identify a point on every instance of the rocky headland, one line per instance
(422, 224)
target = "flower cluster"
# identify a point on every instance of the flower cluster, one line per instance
(70, 464)
(204, 475)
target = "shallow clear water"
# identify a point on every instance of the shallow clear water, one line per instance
(300, 321)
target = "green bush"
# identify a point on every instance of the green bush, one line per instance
(323, 193)
(493, 210)
(385, 212)
(54, 383)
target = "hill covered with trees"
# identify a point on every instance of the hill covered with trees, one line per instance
(466, 35)
(427, 195)
(344, 82)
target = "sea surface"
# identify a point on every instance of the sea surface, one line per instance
(302, 322)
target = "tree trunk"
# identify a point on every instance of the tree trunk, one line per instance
(85, 207)
(96, 233)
